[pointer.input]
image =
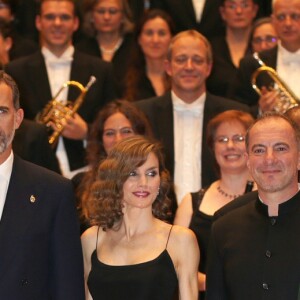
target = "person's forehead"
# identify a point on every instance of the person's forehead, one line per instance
(54, 5)
(188, 43)
(286, 5)
(271, 130)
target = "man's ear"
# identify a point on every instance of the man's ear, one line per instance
(8, 42)
(168, 68)
(19, 117)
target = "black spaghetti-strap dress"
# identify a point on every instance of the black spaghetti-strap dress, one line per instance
(151, 280)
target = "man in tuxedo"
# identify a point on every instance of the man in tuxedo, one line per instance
(255, 248)
(40, 76)
(40, 250)
(179, 117)
(284, 58)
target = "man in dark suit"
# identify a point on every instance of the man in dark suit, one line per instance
(179, 117)
(40, 248)
(284, 58)
(40, 75)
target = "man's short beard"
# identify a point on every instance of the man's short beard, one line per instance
(5, 140)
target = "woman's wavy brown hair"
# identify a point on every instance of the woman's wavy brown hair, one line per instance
(103, 205)
(95, 149)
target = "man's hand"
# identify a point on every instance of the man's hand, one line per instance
(75, 128)
(268, 99)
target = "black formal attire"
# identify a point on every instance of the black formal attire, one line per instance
(31, 143)
(183, 14)
(40, 250)
(120, 61)
(254, 256)
(243, 91)
(137, 8)
(159, 111)
(145, 89)
(21, 46)
(31, 76)
(235, 203)
(223, 74)
(151, 280)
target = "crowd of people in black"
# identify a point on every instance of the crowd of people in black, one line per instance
(175, 174)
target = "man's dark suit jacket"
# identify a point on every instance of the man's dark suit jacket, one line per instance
(31, 76)
(183, 15)
(40, 250)
(159, 111)
(243, 91)
(31, 143)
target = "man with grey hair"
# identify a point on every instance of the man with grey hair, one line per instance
(179, 117)
(255, 249)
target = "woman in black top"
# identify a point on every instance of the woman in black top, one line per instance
(146, 76)
(108, 30)
(131, 253)
(226, 137)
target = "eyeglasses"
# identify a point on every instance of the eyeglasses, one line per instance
(293, 16)
(111, 10)
(234, 6)
(238, 138)
(269, 39)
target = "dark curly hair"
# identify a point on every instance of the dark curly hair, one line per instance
(95, 149)
(102, 205)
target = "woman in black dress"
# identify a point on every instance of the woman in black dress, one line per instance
(131, 253)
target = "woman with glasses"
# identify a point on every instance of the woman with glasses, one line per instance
(263, 35)
(228, 50)
(108, 28)
(226, 138)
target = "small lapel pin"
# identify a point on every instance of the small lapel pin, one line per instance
(32, 199)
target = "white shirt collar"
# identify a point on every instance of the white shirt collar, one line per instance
(197, 103)
(6, 167)
(66, 56)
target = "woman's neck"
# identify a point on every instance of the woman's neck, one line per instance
(136, 221)
(237, 41)
(234, 183)
(155, 66)
(108, 39)
(238, 36)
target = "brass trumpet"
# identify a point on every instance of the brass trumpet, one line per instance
(287, 99)
(57, 113)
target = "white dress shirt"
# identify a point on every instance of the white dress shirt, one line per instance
(59, 70)
(5, 173)
(188, 123)
(288, 68)
(198, 8)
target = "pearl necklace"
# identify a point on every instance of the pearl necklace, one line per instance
(222, 192)
(114, 49)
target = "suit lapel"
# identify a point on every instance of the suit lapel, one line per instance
(37, 69)
(165, 127)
